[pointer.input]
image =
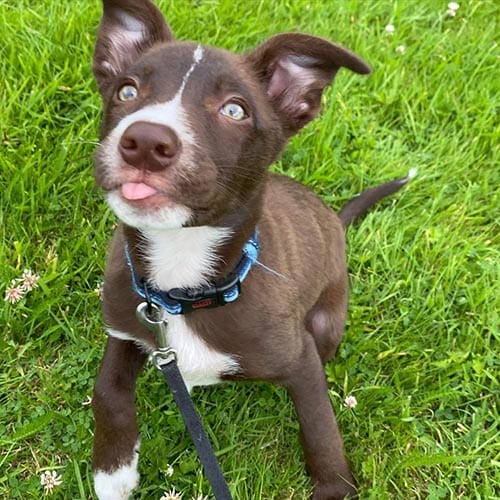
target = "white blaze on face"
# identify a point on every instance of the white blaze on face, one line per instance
(171, 114)
(197, 57)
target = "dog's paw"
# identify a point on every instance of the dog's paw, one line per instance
(116, 485)
(334, 491)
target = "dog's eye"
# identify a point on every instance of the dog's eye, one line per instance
(127, 93)
(233, 110)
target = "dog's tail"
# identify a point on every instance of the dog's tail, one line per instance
(360, 204)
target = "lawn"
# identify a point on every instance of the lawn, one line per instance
(421, 350)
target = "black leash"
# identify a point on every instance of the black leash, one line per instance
(183, 301)
(194, 425)
(165, 360)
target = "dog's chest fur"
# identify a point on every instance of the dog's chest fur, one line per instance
(184, 259)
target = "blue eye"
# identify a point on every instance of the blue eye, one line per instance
(127, 93)
(233, 110)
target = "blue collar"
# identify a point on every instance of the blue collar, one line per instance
(215, 294)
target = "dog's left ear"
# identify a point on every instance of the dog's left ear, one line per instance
(295, 68)
(127, 29)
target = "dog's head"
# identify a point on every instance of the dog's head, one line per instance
(189, 130)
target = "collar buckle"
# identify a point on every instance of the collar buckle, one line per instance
(217, 294)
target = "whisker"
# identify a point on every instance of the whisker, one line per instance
(82, 141)
(272, 271)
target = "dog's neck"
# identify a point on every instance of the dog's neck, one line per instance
(190, 257)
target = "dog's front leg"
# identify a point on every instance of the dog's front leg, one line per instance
(116, 439)
(320, 436)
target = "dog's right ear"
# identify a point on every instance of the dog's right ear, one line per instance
(127, 29)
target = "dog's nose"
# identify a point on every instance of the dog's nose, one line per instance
(149, 146)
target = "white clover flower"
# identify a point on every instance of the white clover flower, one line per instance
(50, 480)
(19, 286)
(350, 402)
(170, 471)
(390, 29)
(452, 9)
(401, 49)
(14, 293)
(29, 280)
(171, 495)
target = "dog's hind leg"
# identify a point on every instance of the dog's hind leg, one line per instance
(326, 319)
(116, 439)
(320, 436)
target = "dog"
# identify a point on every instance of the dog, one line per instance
(187, 137)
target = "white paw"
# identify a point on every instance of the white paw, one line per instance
(119, 484)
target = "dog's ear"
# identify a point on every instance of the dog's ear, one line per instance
(127, 29)
(295, 69)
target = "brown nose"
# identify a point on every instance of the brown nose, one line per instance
(149, 146)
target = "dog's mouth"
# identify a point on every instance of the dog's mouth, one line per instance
(143, 195)
(141, 205)
(136, 191)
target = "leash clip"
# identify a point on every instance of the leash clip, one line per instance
(150, 316)
(162, 357)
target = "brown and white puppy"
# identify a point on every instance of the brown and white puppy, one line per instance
(188, 134)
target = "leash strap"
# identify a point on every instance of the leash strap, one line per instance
(180, 301)
(194, 425)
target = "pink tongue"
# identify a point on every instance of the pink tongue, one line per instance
(137, 191)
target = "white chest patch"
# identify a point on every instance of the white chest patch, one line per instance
(184, 258)
(198, 363)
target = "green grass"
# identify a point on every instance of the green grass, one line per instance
(421, 349)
